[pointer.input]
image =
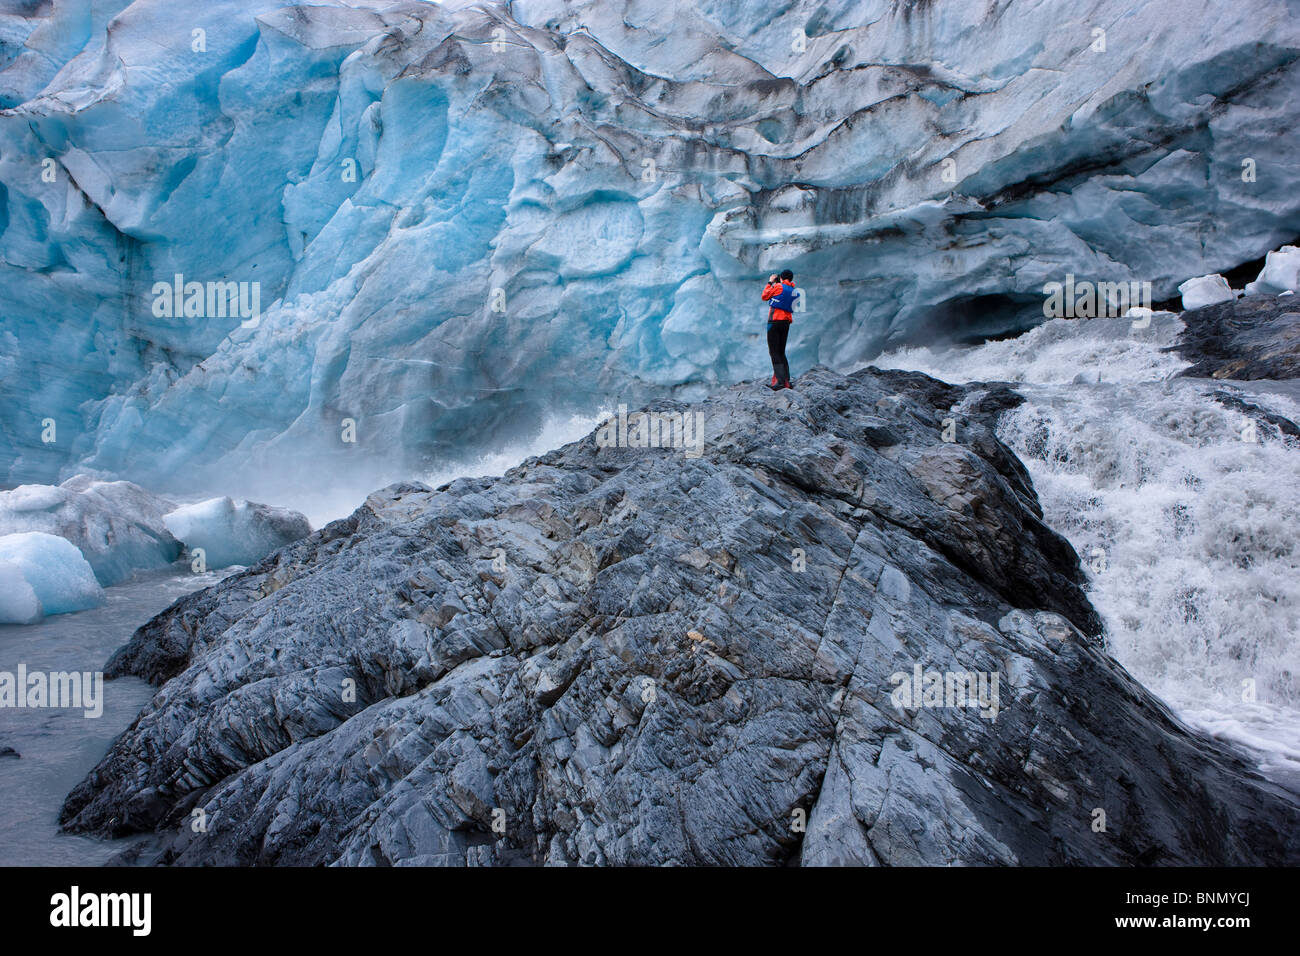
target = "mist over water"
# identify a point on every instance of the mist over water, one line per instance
(555, 432)
(325, 497)
(1188, 532)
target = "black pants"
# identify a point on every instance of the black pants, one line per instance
(777, 333)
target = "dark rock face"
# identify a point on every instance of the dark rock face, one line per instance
(635, 656)
(1281, 426)
(1254, 337)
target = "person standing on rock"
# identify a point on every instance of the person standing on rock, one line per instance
(780, 295)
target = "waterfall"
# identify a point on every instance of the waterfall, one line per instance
(1184, 509)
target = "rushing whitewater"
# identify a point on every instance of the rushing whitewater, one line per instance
(1186, 514)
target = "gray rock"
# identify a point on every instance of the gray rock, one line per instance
(1270, 422)
(1255, 337)
(633, 656)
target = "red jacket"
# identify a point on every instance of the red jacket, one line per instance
(779, 314)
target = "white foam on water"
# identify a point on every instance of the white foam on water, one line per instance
(1058, 351)
(1188, 532)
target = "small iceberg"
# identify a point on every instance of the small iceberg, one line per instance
(43, 574)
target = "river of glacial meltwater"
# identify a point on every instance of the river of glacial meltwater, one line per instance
(1189, 533)
(1184, 512)
(57, 747)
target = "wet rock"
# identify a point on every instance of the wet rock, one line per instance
(1266, 421)
(1254, 337)
(840, 635)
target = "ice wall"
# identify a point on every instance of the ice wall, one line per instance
(464, 219)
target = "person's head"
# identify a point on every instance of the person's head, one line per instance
(787, 276)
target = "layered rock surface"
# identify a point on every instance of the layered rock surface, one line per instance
(632, 655)
(1251, 338)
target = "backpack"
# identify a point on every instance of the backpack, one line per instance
(784, 300)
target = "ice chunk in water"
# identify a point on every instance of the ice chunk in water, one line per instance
(18, 602)
(235, 532)
(116, 525)
(56, 574)
(1281, 273)
(1205, 290)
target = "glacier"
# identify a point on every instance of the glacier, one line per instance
(466, 221)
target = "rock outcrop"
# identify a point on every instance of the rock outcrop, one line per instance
(623, 655)
(1255, 337)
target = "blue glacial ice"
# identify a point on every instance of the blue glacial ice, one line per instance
(43, 574)
(117, 526)
(235, 532)
(466, 220)
(118, 529)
